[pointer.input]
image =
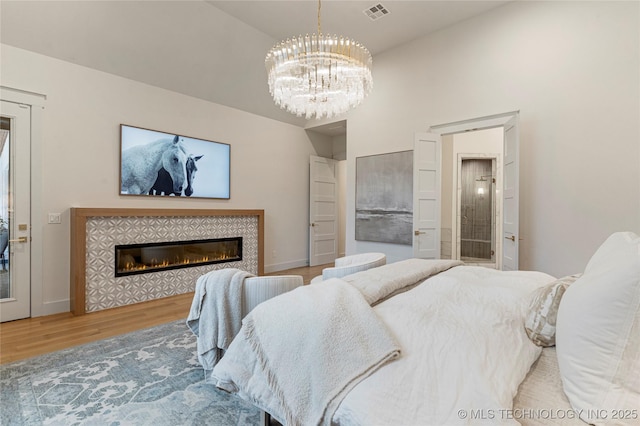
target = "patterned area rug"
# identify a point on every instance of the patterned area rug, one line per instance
(148, 377)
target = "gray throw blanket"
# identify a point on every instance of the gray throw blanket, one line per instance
(216, 313)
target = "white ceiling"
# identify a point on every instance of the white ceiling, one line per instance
(213, 50)
(406, 20)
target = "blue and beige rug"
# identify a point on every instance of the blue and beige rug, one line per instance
(148, 377)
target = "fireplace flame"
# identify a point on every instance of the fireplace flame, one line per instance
(165, 263)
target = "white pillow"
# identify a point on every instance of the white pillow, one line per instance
(598, 335)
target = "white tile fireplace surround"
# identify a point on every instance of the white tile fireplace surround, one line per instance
(95, 232)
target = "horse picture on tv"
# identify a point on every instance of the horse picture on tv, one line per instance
(155, 163)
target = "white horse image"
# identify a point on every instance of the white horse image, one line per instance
(141, 163)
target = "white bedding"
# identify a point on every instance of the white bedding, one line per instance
(298, 354)
(463, 356)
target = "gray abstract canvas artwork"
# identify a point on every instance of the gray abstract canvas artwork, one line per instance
(384, 198)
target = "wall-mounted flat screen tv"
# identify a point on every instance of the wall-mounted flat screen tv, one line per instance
(154, 163)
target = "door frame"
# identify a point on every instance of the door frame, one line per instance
(17, 212)
(37, 102)
(503, 120)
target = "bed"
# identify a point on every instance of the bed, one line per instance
(422, 342)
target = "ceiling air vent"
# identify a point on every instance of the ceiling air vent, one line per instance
(376, 12)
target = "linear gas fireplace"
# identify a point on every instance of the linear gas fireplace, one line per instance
(135, 259)
(95, 232)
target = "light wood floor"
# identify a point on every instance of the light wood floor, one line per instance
(36, 336)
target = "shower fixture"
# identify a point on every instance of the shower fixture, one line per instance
(483, 178)
(480, 190)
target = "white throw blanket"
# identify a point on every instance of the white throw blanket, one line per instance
(216, 313)
(378, 284)
(298, 354)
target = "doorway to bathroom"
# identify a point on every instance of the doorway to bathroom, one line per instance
(495, 136)
(472, 178)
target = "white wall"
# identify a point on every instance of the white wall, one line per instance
(342, 207)
(572, 69)
(80, 156)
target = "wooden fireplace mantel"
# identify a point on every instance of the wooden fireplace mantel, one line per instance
(78, 224)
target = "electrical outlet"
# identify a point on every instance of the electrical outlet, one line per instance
(54, 218)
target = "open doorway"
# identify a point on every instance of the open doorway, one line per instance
(471, 205)
(507, 183)
(330, 142)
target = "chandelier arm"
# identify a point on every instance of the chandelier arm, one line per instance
(319, 27)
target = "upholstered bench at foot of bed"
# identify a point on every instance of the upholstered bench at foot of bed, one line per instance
(348, 265)
(258, 289)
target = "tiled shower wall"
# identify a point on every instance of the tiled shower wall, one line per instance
(104, 290)
(476, 209)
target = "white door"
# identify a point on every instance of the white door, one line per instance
(426, 195)
(15, 158)
(510, 196)
(323, 211)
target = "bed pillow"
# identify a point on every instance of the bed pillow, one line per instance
(598, 335)
(540, 323)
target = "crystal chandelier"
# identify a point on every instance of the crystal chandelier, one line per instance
(319, 75)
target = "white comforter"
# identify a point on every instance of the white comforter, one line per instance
(464, 352)
(298, 354)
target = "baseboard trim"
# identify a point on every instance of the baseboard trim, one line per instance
(276, 267)
(51, 308)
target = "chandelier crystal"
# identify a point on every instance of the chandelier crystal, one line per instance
(319, 75)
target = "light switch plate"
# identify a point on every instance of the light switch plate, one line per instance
(54, 218)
